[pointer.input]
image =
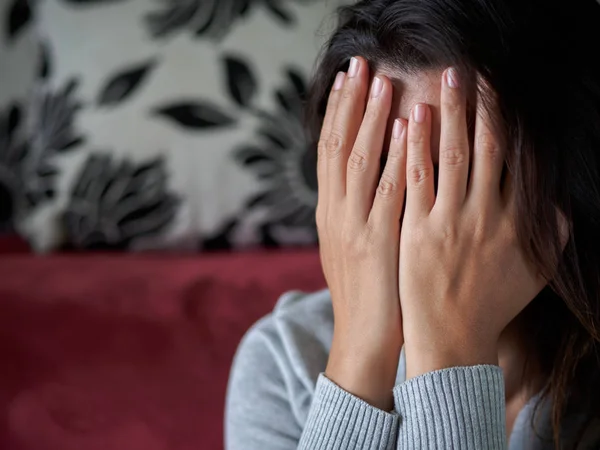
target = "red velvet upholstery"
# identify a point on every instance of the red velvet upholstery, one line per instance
(129, 352)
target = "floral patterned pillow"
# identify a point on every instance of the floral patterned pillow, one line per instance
(18, 56)
(164, 124)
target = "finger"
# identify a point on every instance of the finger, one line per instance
(330, 112)
(364, 160)
(389, 199)
(488, 159)
(420, 195)
(349, 115)
(454, 144)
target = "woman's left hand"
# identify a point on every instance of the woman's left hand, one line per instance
(463, 275)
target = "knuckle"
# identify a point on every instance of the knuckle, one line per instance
(371, 236)
(450, 232)
(416, 236)
(388, 186)
(417, 139)
(348, 92)
(357, 162)
(358, 241)
(394, 155)
(349, 239)
(334, 146)
(486, 146)
(322, 147)
(418, 173)
(453, 155)
(479, 232)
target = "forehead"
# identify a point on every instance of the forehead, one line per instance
(422, 87)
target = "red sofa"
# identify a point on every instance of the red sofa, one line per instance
(128, 352)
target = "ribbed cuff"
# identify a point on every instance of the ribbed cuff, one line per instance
(458, 408)
(340, 421)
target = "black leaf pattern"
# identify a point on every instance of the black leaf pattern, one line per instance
(212, 19)
(220, 241)
(113, 205)
(298, 82)
(284, 101)
(291, 97)
(279, 161)
(251, 155)
(285, 163)
(243, 7)
(199, 115)
(177, 14)
(13, 151)
(206, 19)
(30, 161)
(73, 143)
(277, 8)
(53, 117)
(263, 164)
(257, 200)
(7, 208)
(91, 2)
(39, 177)
(266, 237)
(124, 84)
(13, 121)
(273, 137)
(18, 17)
(240, 80)
(44, 63)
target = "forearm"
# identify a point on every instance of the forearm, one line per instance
(365, 367)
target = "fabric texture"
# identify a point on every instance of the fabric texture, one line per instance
(356, 426)
(278, 398)
(453, 408)
(137, 124)
(129, 352)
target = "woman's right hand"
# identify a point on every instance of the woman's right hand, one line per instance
(358, 219)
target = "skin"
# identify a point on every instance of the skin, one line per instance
(408, 91)
(434, 279)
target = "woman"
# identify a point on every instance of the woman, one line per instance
(474, 249)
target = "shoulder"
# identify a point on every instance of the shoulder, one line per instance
(286, 351)
(298, 333)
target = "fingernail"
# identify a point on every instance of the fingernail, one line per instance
(339, 81)
(398, 129)
(419, 113)
(354, 66)
(377, 87)
(452, 78)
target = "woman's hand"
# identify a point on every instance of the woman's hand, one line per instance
(358, 219)
(463, 276)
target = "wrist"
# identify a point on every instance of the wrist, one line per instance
(366, 371)
(422, 361)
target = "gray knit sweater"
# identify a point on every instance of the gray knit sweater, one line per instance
(278, 397)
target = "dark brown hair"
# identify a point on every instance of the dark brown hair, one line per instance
(539, 58)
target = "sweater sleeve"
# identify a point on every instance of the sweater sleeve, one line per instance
(459, 408)
(340, 421)
(260, 416)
